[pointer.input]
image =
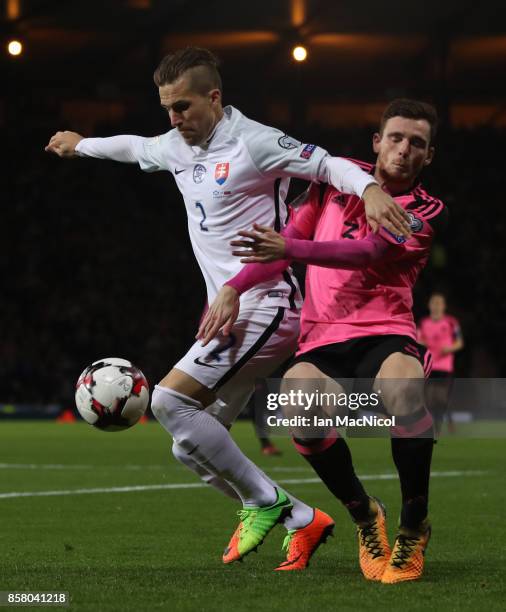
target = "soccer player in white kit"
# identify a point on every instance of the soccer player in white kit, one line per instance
(232, 172)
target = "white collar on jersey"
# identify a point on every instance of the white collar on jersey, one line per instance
(218, 129)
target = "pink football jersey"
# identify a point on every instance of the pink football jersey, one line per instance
(344, 304)
(437, 334)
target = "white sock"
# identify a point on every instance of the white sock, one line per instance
(302, 514)
(203, 438)
(215, 481)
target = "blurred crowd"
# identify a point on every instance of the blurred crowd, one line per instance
(97, 262)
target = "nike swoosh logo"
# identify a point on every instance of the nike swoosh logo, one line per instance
(179, 171)
(198, 362)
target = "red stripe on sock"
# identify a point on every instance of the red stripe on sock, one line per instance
(319, 446)
(415, 429)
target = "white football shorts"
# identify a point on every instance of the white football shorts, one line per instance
(260, 341)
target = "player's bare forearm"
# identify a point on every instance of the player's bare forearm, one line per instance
(382, 210)
(64, 144)
(454, 348)
(263, 245)
(221, 315)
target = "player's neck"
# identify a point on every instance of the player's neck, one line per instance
(217, 118)
(436, 317)
(392, 187)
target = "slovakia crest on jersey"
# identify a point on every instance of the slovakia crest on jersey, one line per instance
(221, 172)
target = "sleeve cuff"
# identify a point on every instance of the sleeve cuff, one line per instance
(78, 148)
(347, 177)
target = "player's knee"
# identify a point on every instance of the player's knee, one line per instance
(163, 404)
(158, 407)
(301, 381)
(404, 396)
(178, 453)
(173, 410)
(398, 366)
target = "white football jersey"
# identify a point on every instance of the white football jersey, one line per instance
(239, 177)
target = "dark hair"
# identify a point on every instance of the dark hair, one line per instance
(411, 109)
(204, 78)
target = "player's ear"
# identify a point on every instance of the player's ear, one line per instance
(375, 142)
(215, 96)
(430, 156)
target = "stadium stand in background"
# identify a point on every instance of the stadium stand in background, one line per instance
(91, 259)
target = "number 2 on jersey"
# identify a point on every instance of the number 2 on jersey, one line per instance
(200, 206)
(352, 227)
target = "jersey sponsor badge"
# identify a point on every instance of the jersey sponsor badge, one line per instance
(286, 142)
(221, 172)
(307, 151)
(218, 194)
(199, 171)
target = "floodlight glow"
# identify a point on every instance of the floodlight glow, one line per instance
(299, 53)
(15, 47)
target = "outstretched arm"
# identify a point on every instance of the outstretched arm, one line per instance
(117, 148)
(279, 155)
(264, 245)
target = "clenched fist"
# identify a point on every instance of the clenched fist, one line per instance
(64, 144)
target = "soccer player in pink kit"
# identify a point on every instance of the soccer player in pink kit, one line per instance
(442, 335)
(357, 322)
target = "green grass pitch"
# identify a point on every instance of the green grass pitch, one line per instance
(160, 548)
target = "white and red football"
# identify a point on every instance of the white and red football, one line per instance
(112, 394)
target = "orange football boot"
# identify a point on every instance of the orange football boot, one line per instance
(301, 544)
(373, 547)
(271, 451)
(406, 562)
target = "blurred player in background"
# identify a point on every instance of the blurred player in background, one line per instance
(232, 172)
(442, 335)
(357, 322)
